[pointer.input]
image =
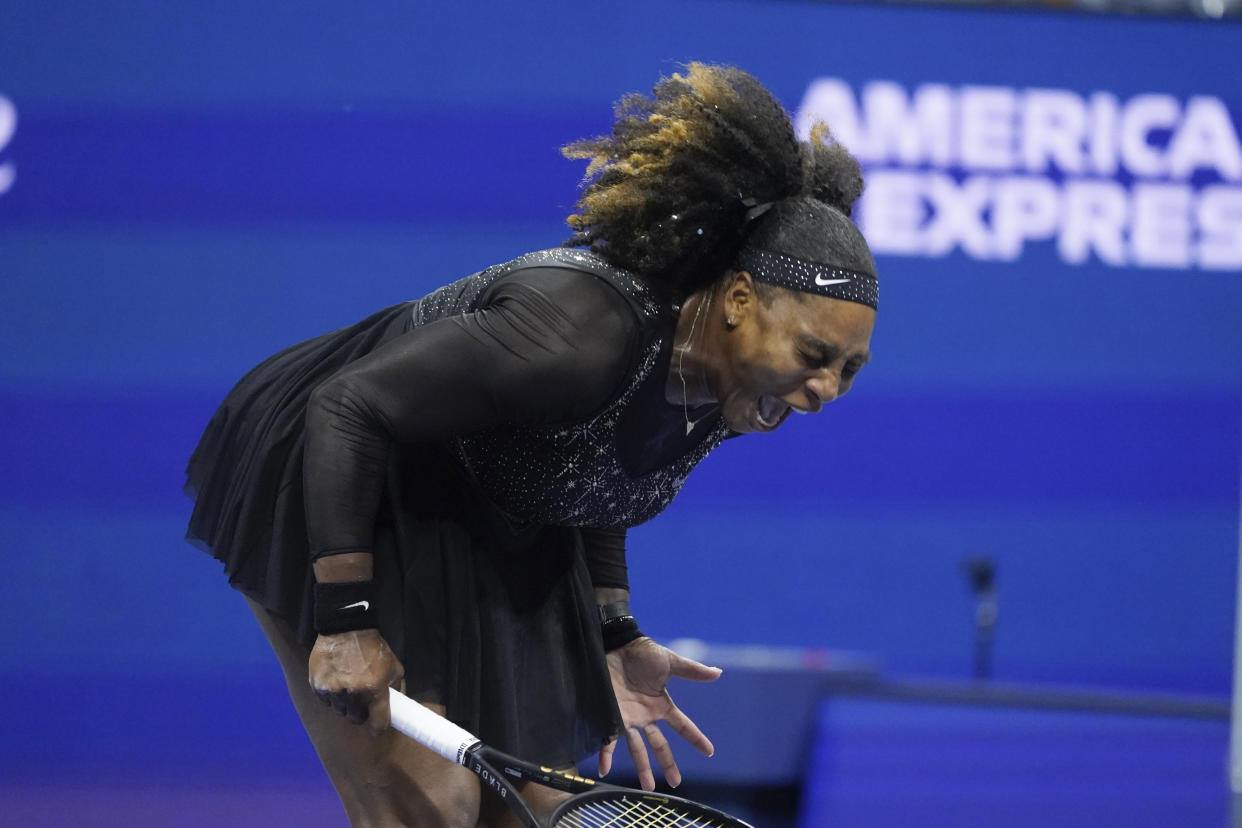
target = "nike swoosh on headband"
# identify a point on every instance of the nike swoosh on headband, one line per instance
(812, 277)
(366, 605)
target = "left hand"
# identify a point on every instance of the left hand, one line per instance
(640, 670)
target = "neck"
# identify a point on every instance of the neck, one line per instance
(689, 377)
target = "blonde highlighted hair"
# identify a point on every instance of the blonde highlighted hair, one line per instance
(669, 194)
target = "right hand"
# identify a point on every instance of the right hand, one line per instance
(352, 672)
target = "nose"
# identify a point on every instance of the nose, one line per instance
(822, 389)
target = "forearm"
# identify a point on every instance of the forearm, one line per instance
(344, 466)
(345, 463)
(605, 560)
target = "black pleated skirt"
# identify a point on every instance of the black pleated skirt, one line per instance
(495, 622)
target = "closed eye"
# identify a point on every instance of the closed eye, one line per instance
(818, 354)
(852, 369)
(816, 361)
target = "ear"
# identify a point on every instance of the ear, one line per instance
(740, 298)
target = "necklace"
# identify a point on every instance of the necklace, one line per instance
(681, 359)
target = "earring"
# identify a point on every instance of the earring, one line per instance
(731, 321)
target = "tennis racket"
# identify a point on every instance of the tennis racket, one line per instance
(594, 805)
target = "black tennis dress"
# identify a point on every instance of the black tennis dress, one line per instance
(490, 443)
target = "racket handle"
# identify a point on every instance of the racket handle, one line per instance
(429, 729)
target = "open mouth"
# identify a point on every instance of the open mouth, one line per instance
(771, 411)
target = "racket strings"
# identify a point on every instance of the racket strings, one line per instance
(625, 812)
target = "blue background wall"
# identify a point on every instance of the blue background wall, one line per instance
(197, 185)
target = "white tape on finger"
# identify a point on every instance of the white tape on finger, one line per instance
(429, 729)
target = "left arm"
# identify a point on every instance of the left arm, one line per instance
(640, 670)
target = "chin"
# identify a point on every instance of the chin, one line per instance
(740, 419)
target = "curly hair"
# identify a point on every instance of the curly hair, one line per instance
(669, 194)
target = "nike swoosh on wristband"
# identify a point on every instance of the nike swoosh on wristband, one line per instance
(822, 282)
(366, 605)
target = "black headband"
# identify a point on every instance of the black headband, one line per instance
(810, 277)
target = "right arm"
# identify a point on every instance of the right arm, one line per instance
(550, 346)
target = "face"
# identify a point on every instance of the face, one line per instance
(795, 354)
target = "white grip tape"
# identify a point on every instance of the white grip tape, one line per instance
(426, 728)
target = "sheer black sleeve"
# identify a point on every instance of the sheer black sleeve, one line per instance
(547, 345)
(605, 557)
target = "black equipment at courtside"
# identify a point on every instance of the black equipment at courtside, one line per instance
(981, 573)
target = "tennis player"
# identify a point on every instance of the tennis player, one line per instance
(437, 497)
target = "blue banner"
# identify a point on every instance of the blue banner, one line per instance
(1055, 203)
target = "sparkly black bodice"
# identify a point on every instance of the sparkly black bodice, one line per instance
(573, 473)
(545, 379)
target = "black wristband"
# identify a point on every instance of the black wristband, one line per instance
(617, 626)
(620, 632)
(344, 606)
(613, 611)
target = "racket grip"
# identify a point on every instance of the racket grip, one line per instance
(429, 729)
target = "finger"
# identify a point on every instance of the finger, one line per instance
(687, 668)
(663, 754)
(356, 705)
(340, 702)
(605, 757)
(689, 731)
(319, 692)
(638, 753)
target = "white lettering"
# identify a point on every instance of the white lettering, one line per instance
(1140, 117)
(987, 127)
(1054, 127)
(1026, 208)
(959, 215)
(988, 170)
(1094, 221)
(8, 125)
(891, 211)
(1220, 226)
(1205, 140)
(895, 131)
(1102, 146)
(1160, 231)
